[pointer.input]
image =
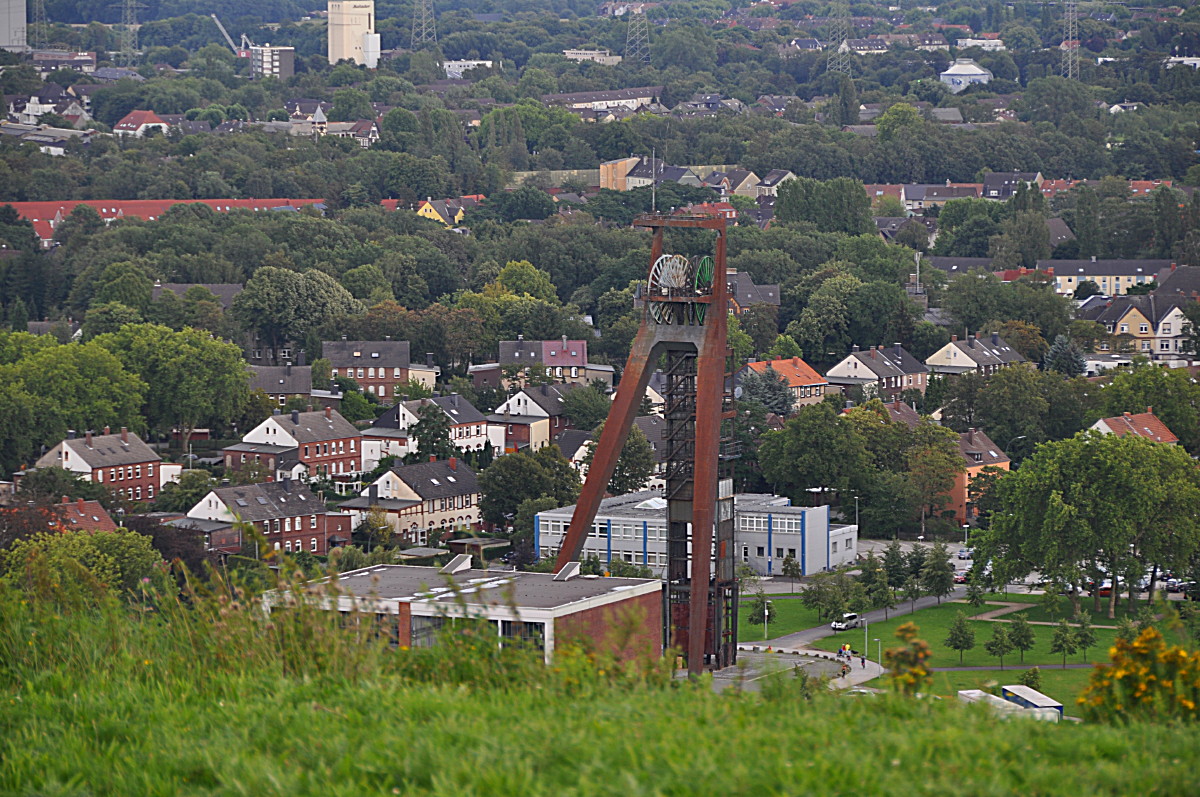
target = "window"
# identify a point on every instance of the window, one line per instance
(1145, 345)
(1166, 329)
(287, 546)
(150, 492)
(1143, 328)
(745, 553)
(139, 494)
(312, 521)
(761, 551)
(1165, 345)
(138, 471)
(287, 524)
(351, 445)
(360, 373)
(1124, 327)
(100, 476)
(150, 469)
(834, 550)
(276, 525)
(395, 373)
(792, 552)
(778, 553)
(371, 373)
(977, 456)
(312, 544)
(334, 372)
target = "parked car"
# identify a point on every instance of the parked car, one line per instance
(848, 621)
(965, 553)
(960, 577)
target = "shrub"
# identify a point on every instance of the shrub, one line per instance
(1032, 678)
(1147, 680)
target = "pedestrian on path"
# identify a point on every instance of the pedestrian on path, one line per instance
(863, 659)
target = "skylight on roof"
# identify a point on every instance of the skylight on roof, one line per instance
(240, 502)
(451, 479)
(262, 500)
(435, 481)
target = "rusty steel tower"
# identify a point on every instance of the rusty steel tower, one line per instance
(684, 325)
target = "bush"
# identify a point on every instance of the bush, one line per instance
(1032, 678)
(1146, 680)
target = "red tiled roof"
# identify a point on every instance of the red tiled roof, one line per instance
(797, 372)
(86, 515)
(135, 119)
(45, 216)
(1142, 424)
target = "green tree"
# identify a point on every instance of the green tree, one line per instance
(937, 575)
(283, 305)
(587, 405)
(108, 317)
(1022, 242)
(975, 595)
(512, 479)
(932, 467)
(913, 591)
(1032, 678)
(126, 283)
(1064, 641)
(522, 277)
(635, 465)
(768, 388)
(1065, 358)
(350, 105)
(1170, 391)
(1085, 635)
(894, 565)
(814, 449)
(194, 379)
(181, 496)
(791, 569)
(18, 315)
(900, 121)
(1000, 645)
(961, 636)
(84, 563)
(432, 433)
(1020, 633)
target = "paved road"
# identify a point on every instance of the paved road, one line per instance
(810, 635)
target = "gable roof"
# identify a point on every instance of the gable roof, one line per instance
(355, 353)
(1104, 268)
(982, 351)
(795, 371)
(278, 379)
(1179, 280)
(886, 362)
(1143, 424)
(1153, 308)
(457, 409)
(775, 176)
(744, 292)
(654, 428)
(107, 450)
(134, 120)
(978, 449)
(570, 441)
(271, 500)
(550, 397)
(438, 479)
(315, 427)
(85, 515)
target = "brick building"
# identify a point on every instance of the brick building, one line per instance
(301, 445)
(380, 367)
(289, 515)
(537, 609)
(422, 497)
(122, 462)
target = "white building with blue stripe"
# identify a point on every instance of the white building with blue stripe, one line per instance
(767, 530)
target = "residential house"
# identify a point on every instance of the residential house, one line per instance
(963, 73)
(881, 373)
(560, 359)
(1114, 277)
(918, 197)
(653, 171)
(301, 445)
(382, 368)
(422, 497)
(1143, 424)
(974, 354)
(122, 462)
(769, 185)
(574, 445)
(744, 293)
(533, 417)
(83, 515)
(48, 61)
(978, 452)
(1151, 325)
(138, 124)
(288, 381)
(1002, 185)
(631, 99)
(455, 70)
(739, 182)
(449, 212)
(803, 382)
(987, 45)
(113, 74)
(602, 57)
(390, 435)
(289, 515)
(1178, 281)
(775, 104)
(952, 266)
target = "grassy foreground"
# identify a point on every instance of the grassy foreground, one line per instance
(216, 698)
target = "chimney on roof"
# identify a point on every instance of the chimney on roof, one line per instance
(70, 434)
(387, 337)
(296, 417)
(520, 336)
(971, 342)
(849, 405)
(971, 436)
(124, 436)
(995, 338)
(564, 342)
(1126, 414)
(87, 440)
(1149, 410)
(978, 334)
(795, 362)
(453, 463)
(854, 347)
(1093, 258)
(373, 494)
(954, 338)
(277, 411)
(65, 499)
(107, 428)
(328, 413)
(343, 337)
(428, 359)
(287, 369)
(898, 347)
(287, 484)
(300, 359)
(872, 353)
(432, 458)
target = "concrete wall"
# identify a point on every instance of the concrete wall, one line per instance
(628, 629)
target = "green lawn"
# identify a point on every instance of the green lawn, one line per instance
(935, 622)
(791, 616)
(1038, 614)
(1062, 685)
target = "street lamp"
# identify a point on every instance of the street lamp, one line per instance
(965, 528)
(766, 614)
(856, 514)
(879, 653)
(1008, 448)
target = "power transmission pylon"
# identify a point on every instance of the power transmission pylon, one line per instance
(127, 54)
(424, 30)
(1070, 53)
(637, 37)
(840, 57)
(39, 29)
